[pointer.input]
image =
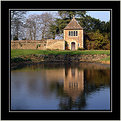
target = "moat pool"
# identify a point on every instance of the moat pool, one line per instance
(76, 86)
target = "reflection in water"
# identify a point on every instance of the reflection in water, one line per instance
(74, 82)
(61, 87)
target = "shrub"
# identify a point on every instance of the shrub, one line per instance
(18, 59)
(38, 45)
(80, 48)
(67, 48)
(66, 45)
(107, 47)
(49, 49)
(15, 38)
(20, 44)
(87, 44)
(28, 59)
(24, 39)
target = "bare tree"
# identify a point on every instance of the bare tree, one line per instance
(33, 27)
(17, 23)
(46, 20)
(38, 26)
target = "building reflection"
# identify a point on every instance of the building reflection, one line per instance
(70, 80)
(73, 82)
(55, 74)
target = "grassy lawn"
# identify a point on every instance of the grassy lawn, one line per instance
(18, 53)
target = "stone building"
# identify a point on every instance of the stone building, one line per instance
(73, 35)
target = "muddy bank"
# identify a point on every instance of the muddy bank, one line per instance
(36, 58)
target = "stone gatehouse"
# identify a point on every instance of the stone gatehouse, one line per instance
(73, 35)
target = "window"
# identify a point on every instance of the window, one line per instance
(73, 33)
(76, 33)
(69, 33)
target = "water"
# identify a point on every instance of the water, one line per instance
(76, 86)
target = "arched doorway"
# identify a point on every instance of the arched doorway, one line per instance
(73, 46)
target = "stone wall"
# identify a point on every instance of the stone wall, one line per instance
(28, 44)
(55, 44)
(38, 44)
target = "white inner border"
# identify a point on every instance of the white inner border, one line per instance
(58, 10)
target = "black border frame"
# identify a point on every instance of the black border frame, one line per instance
(57, 110)
(115, 114)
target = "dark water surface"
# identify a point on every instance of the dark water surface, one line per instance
(77, 86)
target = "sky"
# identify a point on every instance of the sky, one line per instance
(102, 15)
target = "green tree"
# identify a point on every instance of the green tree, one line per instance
(52, 31)
(70, 14)
(89, 24)
(97, 41)
(65, 17)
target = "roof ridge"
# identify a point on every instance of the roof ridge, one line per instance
(73, 24)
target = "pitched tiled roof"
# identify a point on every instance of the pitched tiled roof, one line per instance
(73, 25)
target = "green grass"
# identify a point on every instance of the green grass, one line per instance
(18, 53)
(106, 59)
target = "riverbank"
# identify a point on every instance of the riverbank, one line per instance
(17, 59)
(105, 60)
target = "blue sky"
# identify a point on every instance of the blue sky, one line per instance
(102, 15)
